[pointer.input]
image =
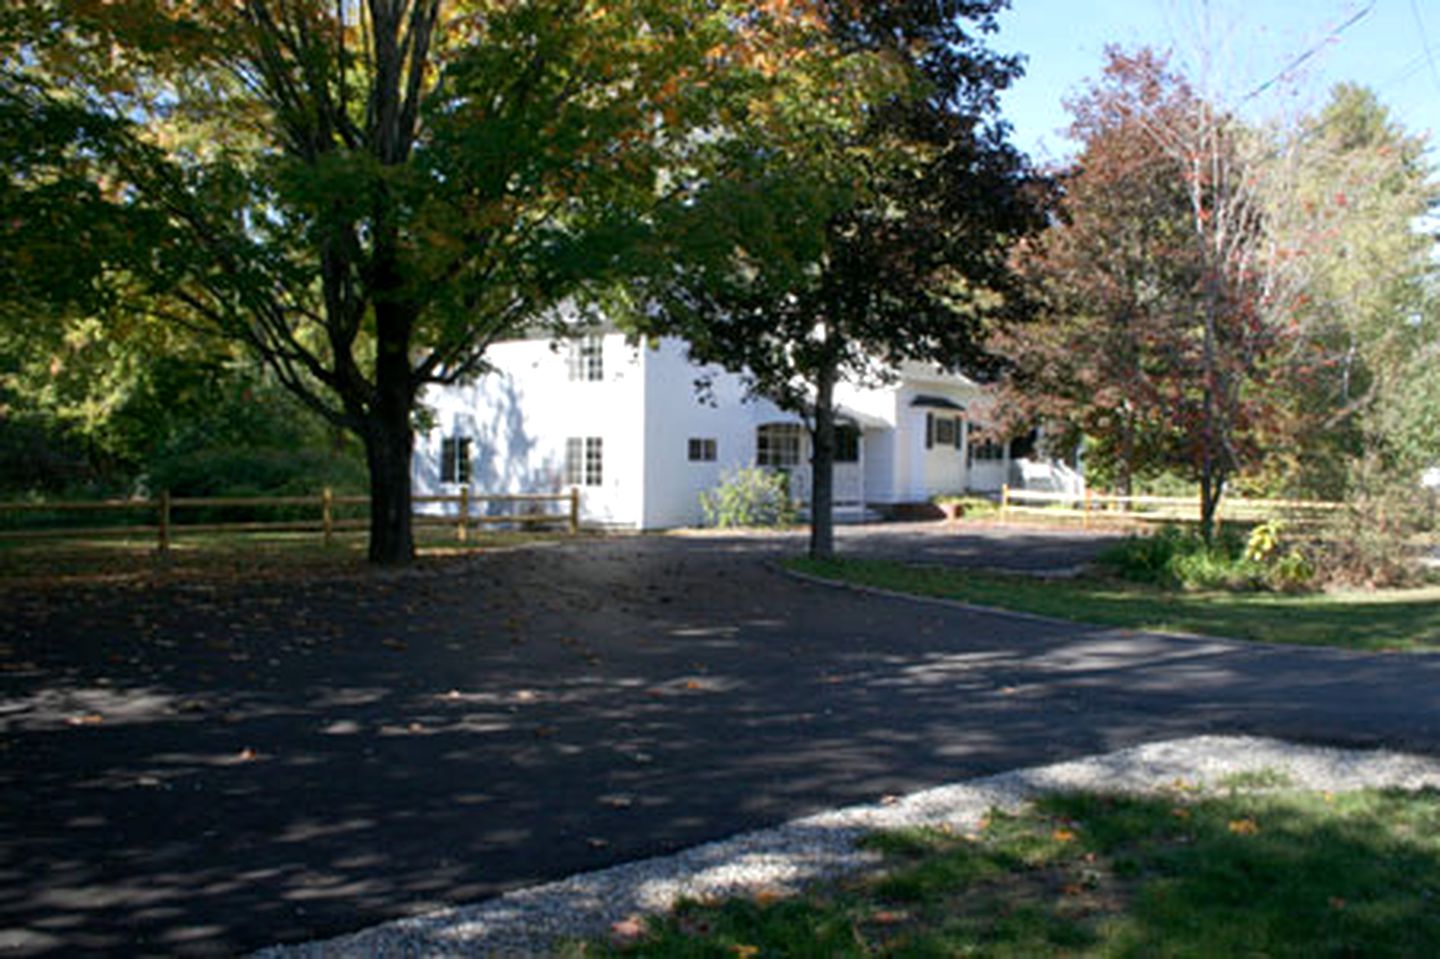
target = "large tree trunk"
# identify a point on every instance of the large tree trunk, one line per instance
(387, 452)
(822, 468)
(389, 439)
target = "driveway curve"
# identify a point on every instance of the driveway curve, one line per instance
(205, 770)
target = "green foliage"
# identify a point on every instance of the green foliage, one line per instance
(749, 496)
(835, 252)
(366, 195)
(1363, 384)
(1176, 558)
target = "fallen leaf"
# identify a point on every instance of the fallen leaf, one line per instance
(889, 799)
(1337, 903)
(692, 684)
(768, 896)
(888, 917)
(595, 842)
(628, 930)
(1180, 812)
(89, 719)
(1244, 827)
(247, 755)
(743, 951)
(1063, 835)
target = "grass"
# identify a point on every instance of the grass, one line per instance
(25, 563)
(1274, 873)
(1374, 620)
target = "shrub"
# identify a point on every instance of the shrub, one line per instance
(749, 496)
(1179, 558)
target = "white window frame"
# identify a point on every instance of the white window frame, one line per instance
(779, 445)
(584, 461)
(586, 359)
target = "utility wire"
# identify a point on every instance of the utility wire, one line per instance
(1333, 34)
(1425, 44)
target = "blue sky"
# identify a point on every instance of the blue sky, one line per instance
(1394, 48)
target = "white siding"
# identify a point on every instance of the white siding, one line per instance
(675, 414)
(520, 416)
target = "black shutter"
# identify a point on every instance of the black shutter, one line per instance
(959, 426)
(929, 430)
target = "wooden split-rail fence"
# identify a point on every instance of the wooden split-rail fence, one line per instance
(527, 510)
(1093, 508)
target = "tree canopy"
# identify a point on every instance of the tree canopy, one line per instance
(1209, 284)
(879, 244)
(367, 194)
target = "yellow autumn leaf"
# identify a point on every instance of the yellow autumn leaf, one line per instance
(1244, 827)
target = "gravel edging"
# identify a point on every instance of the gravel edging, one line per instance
(529, 922)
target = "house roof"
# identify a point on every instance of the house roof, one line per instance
(864, 421)
(936, 402)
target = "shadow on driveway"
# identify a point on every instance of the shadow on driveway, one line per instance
(205, 770)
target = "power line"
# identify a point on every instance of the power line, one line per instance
(1290, 67)
(1425, 44)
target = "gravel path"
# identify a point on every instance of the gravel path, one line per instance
(529, 921)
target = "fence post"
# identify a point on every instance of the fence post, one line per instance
(164, 522)
(327, 515)
(1004, 500)
(462, 531)
(574, 510)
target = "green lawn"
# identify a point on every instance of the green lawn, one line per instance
(1252, 872)
(1377, 620)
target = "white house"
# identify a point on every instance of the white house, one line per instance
(625, 423)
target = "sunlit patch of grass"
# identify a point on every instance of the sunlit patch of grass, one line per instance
(1379, 620)
(1185, 874)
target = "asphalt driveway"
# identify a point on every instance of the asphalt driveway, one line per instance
(198, 770)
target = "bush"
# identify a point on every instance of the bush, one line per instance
(258, 472)
(748, 496)
(1179, 558)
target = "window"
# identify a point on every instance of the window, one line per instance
(455, 459)
(943, 431)
(778, 445)
(847, 444)
(702, 449)
(583, 461)
(587, 358)
(986, 451)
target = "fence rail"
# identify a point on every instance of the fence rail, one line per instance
(1093, 507)
(165, 528)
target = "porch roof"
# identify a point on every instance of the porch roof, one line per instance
(936, 402)
(863, 421)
